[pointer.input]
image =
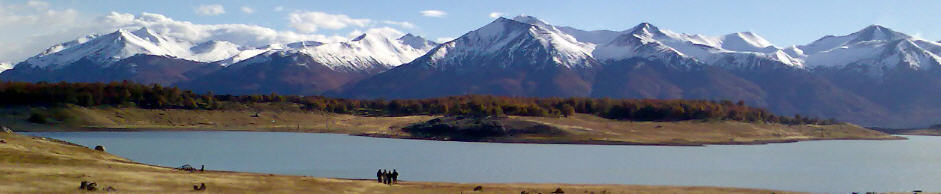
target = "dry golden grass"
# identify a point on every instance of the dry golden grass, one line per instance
(268, 119)
(38, 165)
(588, 127)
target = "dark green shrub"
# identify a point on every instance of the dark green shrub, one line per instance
(39, 118)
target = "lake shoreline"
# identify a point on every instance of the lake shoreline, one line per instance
(576, 129)
(38, 164)
(518, 141)
(602, 142)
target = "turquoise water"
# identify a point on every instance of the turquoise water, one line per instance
(814, 166)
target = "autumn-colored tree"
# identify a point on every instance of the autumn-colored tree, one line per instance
(158, 97)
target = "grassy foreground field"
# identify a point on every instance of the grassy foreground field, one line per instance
(40, 165)
(579, 128)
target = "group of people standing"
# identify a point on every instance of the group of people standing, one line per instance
(385, 177)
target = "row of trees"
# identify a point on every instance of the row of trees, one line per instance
(621, 109)
(95, 94)
(158, 97)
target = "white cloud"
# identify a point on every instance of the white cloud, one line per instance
(242, 34)
(443, 39)
(405, 25)
(309, 22)
(433, 13)
(27, 34)
(279, 8)
(37, 4)
(495, 14)
(32, 26)
(212, 9)
(248, 10)
(5, 66)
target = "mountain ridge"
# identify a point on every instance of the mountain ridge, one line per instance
(874, 76)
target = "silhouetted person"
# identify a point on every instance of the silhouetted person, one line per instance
(395, 176)
(379, 175)
(386, 177)
(202, 168)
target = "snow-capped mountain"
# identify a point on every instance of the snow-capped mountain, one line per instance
(109, 48)
(116, 53)
(368, 50)
(283, 72)
(361, 53)
(140, 55)
(873, 49)
(731, 51)
(504, 37)
(504, 57)
(417, 42)
(892, 69)
(734, 50)
(310, 67)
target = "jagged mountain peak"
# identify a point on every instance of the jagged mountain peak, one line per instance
(417, 42)
(126, 42)
(531, 20)
(646, 29)
(105, 49)
(146, 34)
(751, 37)
(735, 50)
(504, 37)
(874, 48)
(869, 35)
(644, 25)
(369, 50)
(499, 27)
(384, 46)
(878, 32)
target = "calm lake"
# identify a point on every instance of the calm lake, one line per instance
(815, 166)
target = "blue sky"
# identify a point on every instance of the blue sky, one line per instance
(784, 23)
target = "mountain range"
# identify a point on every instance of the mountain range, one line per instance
(874, 77)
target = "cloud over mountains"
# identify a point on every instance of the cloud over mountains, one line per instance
(31, 26)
